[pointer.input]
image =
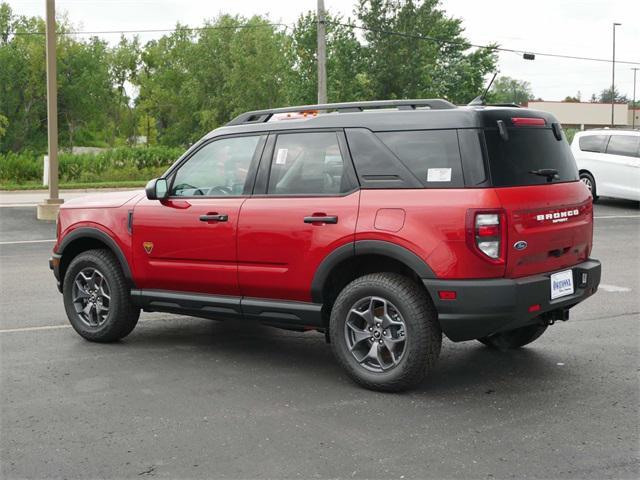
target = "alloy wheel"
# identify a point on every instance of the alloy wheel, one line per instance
(375, 333)
(91, 297)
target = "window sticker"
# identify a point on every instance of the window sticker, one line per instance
(439, 175)
(281, 158)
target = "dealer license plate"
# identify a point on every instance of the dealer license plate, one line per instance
(561, 284)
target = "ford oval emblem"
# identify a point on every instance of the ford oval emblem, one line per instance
(521, 245)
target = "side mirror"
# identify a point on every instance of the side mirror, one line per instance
(157, 189)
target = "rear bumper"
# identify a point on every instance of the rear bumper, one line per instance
(484, 307)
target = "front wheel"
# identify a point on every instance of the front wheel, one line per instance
(514, 338)
(384, 331)
(96, 297)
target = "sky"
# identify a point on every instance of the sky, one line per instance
(570, 27)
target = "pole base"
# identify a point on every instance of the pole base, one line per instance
(48, 210)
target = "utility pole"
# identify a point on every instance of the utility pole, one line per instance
(613, 73)
(49, 209)
(633, 105)
(322, 55)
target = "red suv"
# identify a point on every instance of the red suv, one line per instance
(381, 224)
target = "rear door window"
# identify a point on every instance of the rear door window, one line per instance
(592, 143)
(433, 156)
(527, 150)
(623, 145)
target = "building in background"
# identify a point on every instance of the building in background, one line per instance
(585, 115)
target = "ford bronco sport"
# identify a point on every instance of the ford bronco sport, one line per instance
(381, 224)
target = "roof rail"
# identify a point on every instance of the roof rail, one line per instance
(261, 116)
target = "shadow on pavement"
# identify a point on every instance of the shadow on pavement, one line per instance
(468, 365)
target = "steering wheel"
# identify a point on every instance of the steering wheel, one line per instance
(220, 190)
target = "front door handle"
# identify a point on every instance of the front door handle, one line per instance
(321, 219)
(214, 217)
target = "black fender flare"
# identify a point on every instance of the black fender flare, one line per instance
(366, 247)
(97, 234)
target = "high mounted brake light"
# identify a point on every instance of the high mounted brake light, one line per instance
(528, 122)
(486, 234)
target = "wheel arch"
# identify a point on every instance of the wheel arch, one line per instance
(88, 238)
(362, 257)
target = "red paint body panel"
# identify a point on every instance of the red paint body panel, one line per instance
(278, 254)
(188, 254)
(553, 244)
(107, 213)
(433, 228)
(265, 250)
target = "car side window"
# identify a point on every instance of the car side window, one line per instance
(592, 143)
(308, 164)
(218, 169)
(623, 145)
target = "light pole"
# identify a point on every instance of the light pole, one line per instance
(48, 210)
(633, 105)
(322, 54)
(613, 72)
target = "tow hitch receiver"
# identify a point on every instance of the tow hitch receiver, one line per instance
(549, 318)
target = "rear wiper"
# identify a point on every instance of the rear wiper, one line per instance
(550, 173)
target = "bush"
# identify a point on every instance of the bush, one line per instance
(119, 164)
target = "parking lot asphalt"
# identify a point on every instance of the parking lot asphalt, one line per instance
(190, 398)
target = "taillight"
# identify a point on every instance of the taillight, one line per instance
(486, 231)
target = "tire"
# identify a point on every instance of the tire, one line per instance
(590, 182)
(105, 288)
(514, 338)
(410, 328)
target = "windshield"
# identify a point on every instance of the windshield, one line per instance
(529, 150)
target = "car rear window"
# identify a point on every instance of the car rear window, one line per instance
(526, 150)
(433, 156)
(592, 143)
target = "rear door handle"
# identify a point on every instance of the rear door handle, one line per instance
(214, 217)
(321, 219)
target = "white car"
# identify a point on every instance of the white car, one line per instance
(609, 162)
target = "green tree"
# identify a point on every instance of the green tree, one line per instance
(124, 60)
(22, 81)
(347, 79)
(85, 91)
(605, 96)
(427, 56)
(510, 90)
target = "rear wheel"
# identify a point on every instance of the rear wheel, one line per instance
(384, 331)
(514, 338)
(590, 182)
(96, 297)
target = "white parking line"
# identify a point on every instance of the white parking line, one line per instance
(18, 242)
(33, 329)
(58, 327)
(613, 288)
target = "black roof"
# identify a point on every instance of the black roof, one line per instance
(380, 116)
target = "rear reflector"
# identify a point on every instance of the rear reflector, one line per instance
(528, 122)
(447, 294)
(534, 308)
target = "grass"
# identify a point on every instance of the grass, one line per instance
(5, 186)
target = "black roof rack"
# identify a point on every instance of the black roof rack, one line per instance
(261, 116)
